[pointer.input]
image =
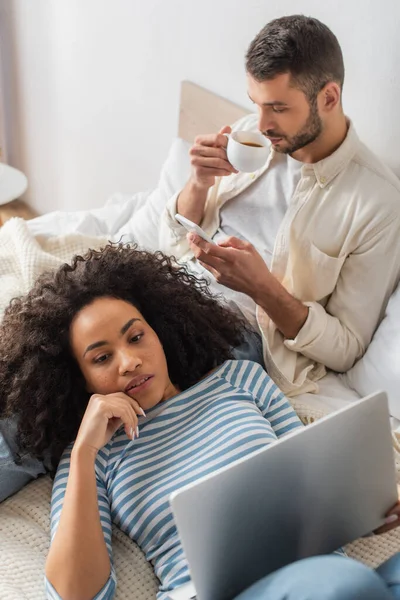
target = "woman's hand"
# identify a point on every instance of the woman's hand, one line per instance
(392, 518)
(103, 416)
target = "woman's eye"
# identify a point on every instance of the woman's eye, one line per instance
(101, 359)
(136, 338)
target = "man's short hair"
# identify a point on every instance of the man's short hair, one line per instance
(301, 46)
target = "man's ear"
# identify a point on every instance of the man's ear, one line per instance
(329, 97)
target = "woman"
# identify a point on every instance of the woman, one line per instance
(125, 360)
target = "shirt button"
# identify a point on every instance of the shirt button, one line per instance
(252, 176)
(323, 179)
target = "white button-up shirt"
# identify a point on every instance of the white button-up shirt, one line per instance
(337, 250)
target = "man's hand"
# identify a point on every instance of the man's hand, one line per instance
(233, 262)
(208, 158)
(239, 266)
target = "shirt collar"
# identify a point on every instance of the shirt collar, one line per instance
(327, 169)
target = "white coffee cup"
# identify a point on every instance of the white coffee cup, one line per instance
(247, 158)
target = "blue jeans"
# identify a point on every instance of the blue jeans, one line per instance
(250, 348)
(329, 578)
(15, 472)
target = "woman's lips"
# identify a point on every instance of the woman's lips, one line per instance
(140, 387)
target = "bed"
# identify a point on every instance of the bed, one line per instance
(24, 518)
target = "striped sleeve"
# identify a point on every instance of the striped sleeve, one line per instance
(272, 403)
(59, 487)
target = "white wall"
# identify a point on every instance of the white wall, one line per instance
(93, 85)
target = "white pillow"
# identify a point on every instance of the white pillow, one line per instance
(176, 169)
(379, 368)
(134, 216)
(143, 226)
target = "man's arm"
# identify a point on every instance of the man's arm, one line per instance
(339, 334)
(209, 164)
(191, 201)
(288, 313)
(336, 335)
(239, 266)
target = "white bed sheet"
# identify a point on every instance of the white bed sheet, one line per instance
(129, 218)
(334, 394)
(107, 220)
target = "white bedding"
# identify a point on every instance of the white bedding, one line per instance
(133, 217)
(107, 220)
(25, 538)
(334, 393)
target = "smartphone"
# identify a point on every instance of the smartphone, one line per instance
(193, 228)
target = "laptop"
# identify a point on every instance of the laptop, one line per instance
(310, 493)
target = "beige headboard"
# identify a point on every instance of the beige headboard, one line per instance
(202, 111)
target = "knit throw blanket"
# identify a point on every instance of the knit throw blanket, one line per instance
(24, 257)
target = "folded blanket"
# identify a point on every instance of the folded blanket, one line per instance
(24, 257)
(25, 539)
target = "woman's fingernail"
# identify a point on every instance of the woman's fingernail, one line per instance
(391, 519)
(142, 411)
(132, 434)
(137, 432)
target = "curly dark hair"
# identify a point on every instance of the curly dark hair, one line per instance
(40, 382)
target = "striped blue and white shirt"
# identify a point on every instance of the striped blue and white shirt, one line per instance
(229, 414)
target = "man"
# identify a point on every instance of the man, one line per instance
(308, 247)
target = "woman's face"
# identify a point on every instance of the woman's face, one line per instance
(117, 351)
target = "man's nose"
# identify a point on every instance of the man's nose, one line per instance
(266, 123)
(129, 361)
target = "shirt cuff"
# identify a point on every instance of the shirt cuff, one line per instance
(312, 329)
(106, 593)
(173, 235)
(171, 210)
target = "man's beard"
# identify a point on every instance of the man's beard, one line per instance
(311, 130)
